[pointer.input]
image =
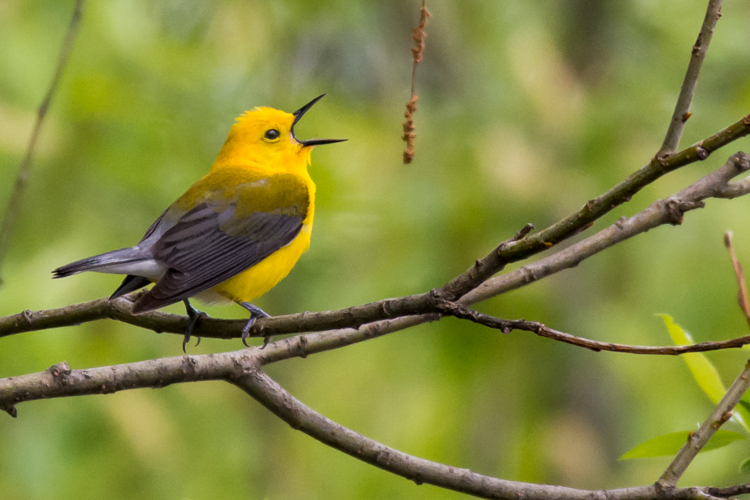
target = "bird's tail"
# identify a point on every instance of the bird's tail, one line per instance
(123, 261)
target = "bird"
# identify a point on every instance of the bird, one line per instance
(235, 233)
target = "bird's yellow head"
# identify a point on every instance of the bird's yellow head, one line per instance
(265, 137)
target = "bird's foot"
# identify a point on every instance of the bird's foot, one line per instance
(255, 313)
(194, 317)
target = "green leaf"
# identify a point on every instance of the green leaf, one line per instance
(745, 466)
(670, 444)
(742, 414)
(702, 369)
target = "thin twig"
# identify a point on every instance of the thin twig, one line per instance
(508, 325)
(698, 54)
(742, 292)
(665, 211)
(14, 205)
(597, 207)
(722, 412)
(731, 491)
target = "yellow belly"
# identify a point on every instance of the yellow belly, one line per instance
(263, 276)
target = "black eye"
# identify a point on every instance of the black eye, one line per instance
(272, 134)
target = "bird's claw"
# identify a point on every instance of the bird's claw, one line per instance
(194, 317)
(255, 313)
(246, 329)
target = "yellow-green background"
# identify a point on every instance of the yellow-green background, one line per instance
(526, 111)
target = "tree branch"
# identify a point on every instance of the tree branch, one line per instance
(14, 205)
(506, 326)
(666, 211)
(509, 251)
(242, 368)
(620, 194)
(302, 418)
(698, 54)
(722, 412)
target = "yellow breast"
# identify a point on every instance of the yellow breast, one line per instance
(263, 276)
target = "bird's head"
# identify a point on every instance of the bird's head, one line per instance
(266, 136)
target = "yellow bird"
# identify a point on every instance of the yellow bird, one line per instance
(235, 233)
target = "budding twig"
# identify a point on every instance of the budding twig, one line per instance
(742, 292)
(417, 35)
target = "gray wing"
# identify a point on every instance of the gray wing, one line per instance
(199, 253)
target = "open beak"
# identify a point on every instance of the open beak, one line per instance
(299, 114)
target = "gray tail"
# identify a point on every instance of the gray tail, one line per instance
(102, 263)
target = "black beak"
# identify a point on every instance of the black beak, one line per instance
(299, 114)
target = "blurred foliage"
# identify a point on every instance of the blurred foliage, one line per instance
(669, 444)
(708, 379)
(526, 110)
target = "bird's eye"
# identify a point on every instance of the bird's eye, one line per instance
(272, 134)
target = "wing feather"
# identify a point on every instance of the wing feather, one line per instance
(211, 243)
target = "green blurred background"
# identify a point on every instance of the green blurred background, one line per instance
(526, 110)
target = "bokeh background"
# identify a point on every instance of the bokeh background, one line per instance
(526, 110)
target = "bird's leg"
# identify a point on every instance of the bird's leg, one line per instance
(255, 313)
(194, 316)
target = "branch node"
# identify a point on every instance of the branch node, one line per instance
(674, 211)
(701, 152)
(188, 364)
(437, 295)
(662, 489)
(523, 232)
(686, 116)
(697, 47)
(741, 161)
(27, 316)
(723, 420)
(302, 346)
(60, 371)
(661, 159)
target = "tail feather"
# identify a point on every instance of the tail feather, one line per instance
(130, 284)
(121, 261)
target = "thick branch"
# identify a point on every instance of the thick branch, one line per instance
(14, 205)
(300, 417)
(698, 54)
(722, 412)
(241, 369)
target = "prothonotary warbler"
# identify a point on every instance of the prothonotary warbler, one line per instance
(235, 233)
